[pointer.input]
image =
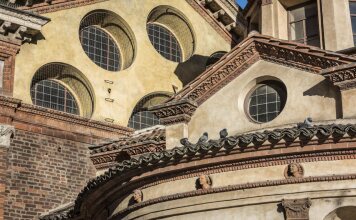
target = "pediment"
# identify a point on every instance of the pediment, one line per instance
(241, 58)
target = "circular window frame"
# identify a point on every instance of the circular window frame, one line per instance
(74, 80)
(123, 37)
(113, 39)
(277, 85)
(176, 38)
(170, 18)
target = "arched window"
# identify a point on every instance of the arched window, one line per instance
(142, 118)
(100, 47)
(51, 94)
(164, 42)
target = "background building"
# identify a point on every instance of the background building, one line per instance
(179, 109)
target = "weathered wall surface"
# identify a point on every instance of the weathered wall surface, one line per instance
(150, 72)
(242, 204)
(43, 172)
(308, 95)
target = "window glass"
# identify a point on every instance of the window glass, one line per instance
(353, 8)
(164, 42)
(51, 94)
(304, 25)
(265, 103)
(100, 48)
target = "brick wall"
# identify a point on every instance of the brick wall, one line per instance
(43, 173)
(3, 168)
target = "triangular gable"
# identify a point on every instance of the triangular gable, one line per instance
(254, 48)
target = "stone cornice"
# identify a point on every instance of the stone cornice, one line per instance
(343, 76)
(225, 143)
(109, 154)
(175, 112)
(19, 26)
(57, 5)
(19, 111)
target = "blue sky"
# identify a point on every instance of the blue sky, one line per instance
(242, 3)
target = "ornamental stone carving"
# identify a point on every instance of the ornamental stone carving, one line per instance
(296, 209)
(6, 133)
(204, 182)
(294, 170)
(175, 112)
(137, 196)
(343, 76)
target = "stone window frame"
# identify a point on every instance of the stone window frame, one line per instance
(305, 37)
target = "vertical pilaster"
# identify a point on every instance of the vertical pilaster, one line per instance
(6, 132)
(337, 24)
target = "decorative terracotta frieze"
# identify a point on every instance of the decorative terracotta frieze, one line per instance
(175, 112)
(343, 76)
(296, 209)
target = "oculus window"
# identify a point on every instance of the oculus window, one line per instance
(170, 33)
(100, 48)
(64, 88)
(304, 24)
(164, 42)
(51, 94)
(266, 101)
(107, 40)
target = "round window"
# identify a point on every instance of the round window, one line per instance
(266, 101)
(170, 33)
(100, 48)
(164, 42)
(107, 40)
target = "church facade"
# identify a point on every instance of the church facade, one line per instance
(179, 109)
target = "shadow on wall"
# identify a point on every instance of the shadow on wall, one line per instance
(328, 90)
(190, 69)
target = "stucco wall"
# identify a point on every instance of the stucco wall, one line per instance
(308, 95)
(149, 72)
